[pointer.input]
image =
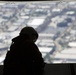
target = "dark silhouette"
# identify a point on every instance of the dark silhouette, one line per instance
(24, 57)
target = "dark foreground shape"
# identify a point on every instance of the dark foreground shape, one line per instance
(24, 57)
(54, 69)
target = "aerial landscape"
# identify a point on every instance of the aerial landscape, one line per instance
(55, 22)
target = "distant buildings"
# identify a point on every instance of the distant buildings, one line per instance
(50, 19)
(72, 44)
(36, 22)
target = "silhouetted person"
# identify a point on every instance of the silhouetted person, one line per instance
(24, 56)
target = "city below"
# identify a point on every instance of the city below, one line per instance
(55, 22)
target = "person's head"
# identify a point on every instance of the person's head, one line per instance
(30, 32)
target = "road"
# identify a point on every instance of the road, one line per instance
(58, 46)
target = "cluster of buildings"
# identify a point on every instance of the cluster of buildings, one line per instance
(54, 21)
